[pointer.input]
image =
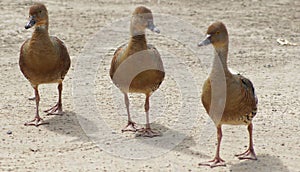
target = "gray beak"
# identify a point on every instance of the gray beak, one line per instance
(206, 41)
(152, 27)
(30, 23)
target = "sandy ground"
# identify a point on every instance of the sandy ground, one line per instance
(88, 138)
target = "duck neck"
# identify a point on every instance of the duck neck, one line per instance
(219, 68)
(41, 29)
(40, 34)
(137, 43)
(41, 42)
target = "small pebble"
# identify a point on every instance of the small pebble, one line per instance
(268, 65)
(33, 149)
(9, 132)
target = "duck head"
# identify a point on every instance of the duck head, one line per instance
(38, 16)
(141, 19)
(216, 35)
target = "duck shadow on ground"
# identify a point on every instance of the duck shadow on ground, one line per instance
(183, 145)
(67, 124)
(265, 162)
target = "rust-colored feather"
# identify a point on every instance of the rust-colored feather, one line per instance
(227, 98)
(240, 101)
(65, 61)
(40, 65)
(145, 81)
(43, 59)
(137, 66)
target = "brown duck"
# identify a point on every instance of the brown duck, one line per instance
(137, 66)
(43, 59)
(227, 98)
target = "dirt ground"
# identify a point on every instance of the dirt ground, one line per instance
(88, 137)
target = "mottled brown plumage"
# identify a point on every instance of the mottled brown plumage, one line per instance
(43, 59)
(227, 98)
(137, 66)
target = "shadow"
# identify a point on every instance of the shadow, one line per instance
(185, 148)
(183, 145)
(68, 124)
(155, 127)
(264, 163)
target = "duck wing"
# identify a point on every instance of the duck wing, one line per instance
(116, 60)
(248, 92)
(64, 58)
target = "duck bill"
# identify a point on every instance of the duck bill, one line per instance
(153, 28)
(30, 23)
(205, 42)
